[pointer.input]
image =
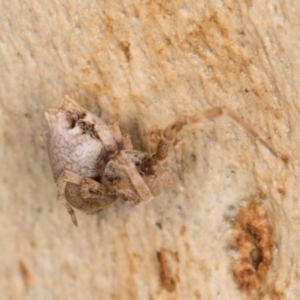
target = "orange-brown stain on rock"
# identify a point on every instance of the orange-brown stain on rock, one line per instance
(168, 269)
(158, 8)
(197, 295)
(212, 40)
(127, 267)
(273, 294)
(86, 71)
(261, 194)
(66, 269)
(252, 239)
(33, 243)
(25, 273)
(125, 47)
(249, 2)
(281, 190)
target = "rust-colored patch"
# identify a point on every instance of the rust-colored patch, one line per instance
(125, 47)
(253, 242)
(197, 295)
(154, 137)
(284, 158)
(25, 273)
(32, 243)
(86, 71)
(66, 268)
(273, 294)
(161, 8)
(261, 194)
(213, 40)
(249, 2)
(168, 262)
(281, 190)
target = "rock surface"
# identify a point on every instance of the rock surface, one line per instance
(145, 63)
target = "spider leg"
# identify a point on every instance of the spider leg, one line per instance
(163, 179)
(127, 169)
(94, 195)
(153, 138)
(62, 181)
(169, 135)
(90, 188)
(178, 157)
(127, 142)
(116, 133)
(218, 111)
(123, 142)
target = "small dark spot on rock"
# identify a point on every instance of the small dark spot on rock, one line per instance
(159, 225)
(125, 47)
(193, 157)
(32, 243)
(39, 209)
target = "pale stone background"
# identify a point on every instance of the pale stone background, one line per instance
(146, 63)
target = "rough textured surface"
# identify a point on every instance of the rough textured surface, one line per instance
(145, 63)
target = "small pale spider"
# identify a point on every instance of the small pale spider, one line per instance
(93, 164)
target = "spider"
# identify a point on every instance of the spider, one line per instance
(93, 164)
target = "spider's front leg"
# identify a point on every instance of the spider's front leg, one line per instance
(131, 184)
(155, 136)
(123, 142)
(168, 136)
